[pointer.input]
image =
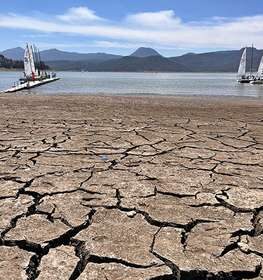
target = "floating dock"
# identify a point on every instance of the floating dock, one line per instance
(30, 84)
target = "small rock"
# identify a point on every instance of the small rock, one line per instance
(243, 246)
(131, 214)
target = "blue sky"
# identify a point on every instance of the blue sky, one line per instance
(120, 26)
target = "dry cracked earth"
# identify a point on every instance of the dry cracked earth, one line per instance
(130, 188)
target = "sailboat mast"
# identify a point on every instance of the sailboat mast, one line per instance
(30, 58)
(251, 64)
(36, 57)
(40, 62)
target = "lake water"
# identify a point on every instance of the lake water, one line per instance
(211, 84)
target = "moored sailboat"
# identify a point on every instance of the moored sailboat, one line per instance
(242, 75)
(259, 77)
(34, 72)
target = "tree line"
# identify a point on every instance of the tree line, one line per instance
(18, 64)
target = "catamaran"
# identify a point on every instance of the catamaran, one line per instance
(34, 74)
(259, 77)
(242, 75)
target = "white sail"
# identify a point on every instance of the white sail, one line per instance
(27, 64)
(32, 59)
(260, 68)
(242, 65)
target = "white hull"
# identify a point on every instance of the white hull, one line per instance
(30, 84)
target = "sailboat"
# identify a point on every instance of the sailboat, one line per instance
(242, 77)
(259, 77)
(34, 74)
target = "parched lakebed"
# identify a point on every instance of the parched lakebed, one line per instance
(125, 188)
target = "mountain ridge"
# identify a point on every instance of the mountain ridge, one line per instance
(14, 53)
(145, 52)
(143, 60)
(218, 61)
(55, 54)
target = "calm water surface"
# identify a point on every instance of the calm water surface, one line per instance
(85, 83)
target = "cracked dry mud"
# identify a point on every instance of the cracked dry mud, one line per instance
(130, 188)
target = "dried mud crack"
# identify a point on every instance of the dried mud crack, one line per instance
(131, 188)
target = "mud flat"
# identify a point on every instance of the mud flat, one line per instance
(123, 188)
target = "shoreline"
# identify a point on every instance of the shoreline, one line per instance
(153, 97)
(79, 106)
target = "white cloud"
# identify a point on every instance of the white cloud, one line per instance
(142, 29)
(78, 14)
(156, 19)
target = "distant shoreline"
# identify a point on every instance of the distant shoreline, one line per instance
(134, 72)
(200, 100)
(11, 70)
